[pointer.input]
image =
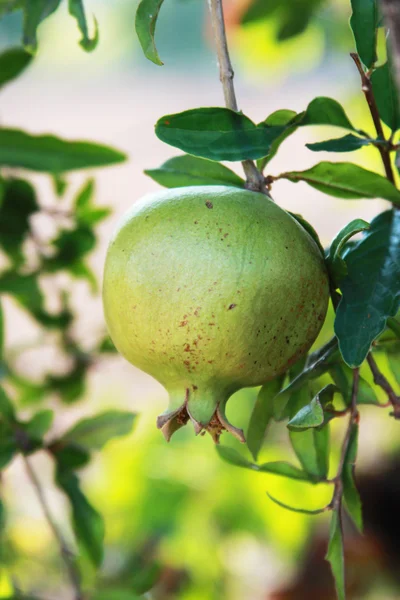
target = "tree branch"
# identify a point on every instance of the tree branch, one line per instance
(366, 87)
(255, 180)
(382, 382)
(66, 554)
(354, 416)
(391, 14)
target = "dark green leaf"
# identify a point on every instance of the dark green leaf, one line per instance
(312, 449)
(51, 154)
(371, 289)
(88, 523)
(261, 415)
(364, 23)
(217, 134)
(280, 468)
(86, 212)
(303, 511)
(186, 170)
(2, 333)
(60, 184)
(116, 594)
(77, 10)
(325, 111)
(346, 180)
(17, 205)
(35, 11)
(311, 415)
(335, 554)
(71, 386)
(69, 456)
(12, 63)
(8, 444)
(94, 432)
(39, 424)
(145, 23)
(279, 117)
(25, 289)
(71, 246)
(336, 264)
(350, 492)
(106, 346)
(394, 325)
(348, 143)
(386, 96)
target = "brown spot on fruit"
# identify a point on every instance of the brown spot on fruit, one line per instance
(209, 204)
(231, 306)
(183, 323)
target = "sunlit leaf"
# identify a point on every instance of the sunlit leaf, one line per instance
(371, 289)
(51, 154)
(346, 180)
(261, 415)
(335, 554)
(311, 415)
(186, 170)
(94, 432)
(145, 23)
(350, 491)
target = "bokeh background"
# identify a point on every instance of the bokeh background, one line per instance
(175, 513)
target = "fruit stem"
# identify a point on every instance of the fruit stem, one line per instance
(255, 179)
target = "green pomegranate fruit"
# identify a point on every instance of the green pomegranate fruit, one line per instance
(211, 289)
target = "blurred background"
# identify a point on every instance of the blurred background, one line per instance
(176, 515)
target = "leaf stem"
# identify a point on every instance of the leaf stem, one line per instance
(366, 87)
(382, 382)
(354, 416)
(255, 179)
(66, 554)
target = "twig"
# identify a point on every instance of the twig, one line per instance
(66, 554)
(382, 382)
(255, 180)
(366, 87)
(354, 416)
(391, 13)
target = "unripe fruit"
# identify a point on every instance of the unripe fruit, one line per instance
(209, 290)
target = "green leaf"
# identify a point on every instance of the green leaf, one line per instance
(336, 264)
(71, 386)
(261, 415)
(348, 143)
(312, 449)
(69, 456)
(279, 117)
(364, 23)
(217, 134)
(342, 375)
(394, 325)
(39, 424)
(310, 230)
(77, 10)
(335, 554)
(186, 170)
(2, 332)
(284, 469)
(8, 444)
(350, 492)
(145, 23)
(325, 111)
(371, 289)
(87, 522)
(12, 63)
(7, 411)
(86, 212)
(116, 594)
(386, 96)
(311, 415)
(35, 11)
(51, 154)
(60, 184)
(71, 246)
(94, 432)
(17, 205)
(106, 346)
(303, 511)
(346, 180)
(9, 6)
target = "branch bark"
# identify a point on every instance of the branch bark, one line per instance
(255, 179)
(391, 15)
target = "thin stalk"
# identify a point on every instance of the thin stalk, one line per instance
(66, 554)
(382, 382)
(255, 180)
